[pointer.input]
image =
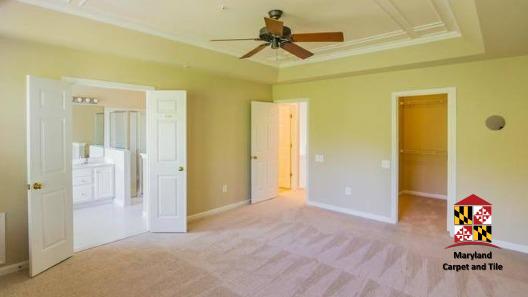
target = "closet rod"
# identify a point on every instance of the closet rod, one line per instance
(422, 102)
(424, 152)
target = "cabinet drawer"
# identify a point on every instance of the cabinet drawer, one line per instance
(82, 194)
(82, 172)
(82, 180)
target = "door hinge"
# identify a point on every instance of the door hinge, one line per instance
(291, 116)
(291, 174)
(28, 186)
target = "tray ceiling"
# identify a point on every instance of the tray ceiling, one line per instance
(368, 25)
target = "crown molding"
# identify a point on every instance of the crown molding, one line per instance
(406, 36)
(373, 49)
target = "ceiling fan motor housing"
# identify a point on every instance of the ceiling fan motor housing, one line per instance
(275, 40)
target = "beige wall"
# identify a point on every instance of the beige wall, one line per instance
(350, 123)
(423, 144)
(218, 138)
(83, 122)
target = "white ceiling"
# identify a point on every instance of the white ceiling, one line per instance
(368, 25)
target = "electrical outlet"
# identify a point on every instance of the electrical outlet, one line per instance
(319, 158)
(348, 191)
(385, 164)
(224, 188)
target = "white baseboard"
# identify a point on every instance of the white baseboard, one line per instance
(216, 210)
(511, 246)
(423, 194)
(13, 268)
(351, 212)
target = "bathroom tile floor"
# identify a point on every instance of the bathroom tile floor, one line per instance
(97, 225)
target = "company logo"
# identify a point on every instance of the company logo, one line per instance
(473, 217)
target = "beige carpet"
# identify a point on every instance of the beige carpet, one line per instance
(280, 248)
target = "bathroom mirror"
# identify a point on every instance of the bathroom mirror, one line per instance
(495, 122)
(87, 126)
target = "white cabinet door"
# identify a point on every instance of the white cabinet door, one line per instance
(104, 182)
(83, 193)
(167, 160)
(264, 151)
(50, 203)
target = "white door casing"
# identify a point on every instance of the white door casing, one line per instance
(50, 208)
(264, 151)
(167, 162)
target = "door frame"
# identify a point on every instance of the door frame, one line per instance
(307, 101)
(72, 81)
(451, 149)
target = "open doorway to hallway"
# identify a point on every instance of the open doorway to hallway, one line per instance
(292, 142)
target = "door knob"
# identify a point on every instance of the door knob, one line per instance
(254, 157)
(180, 168)
(37, 186)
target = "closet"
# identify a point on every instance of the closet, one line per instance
(423, 145)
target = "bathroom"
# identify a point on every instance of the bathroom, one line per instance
(108, 153)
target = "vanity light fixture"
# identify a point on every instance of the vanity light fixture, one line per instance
(85, 100)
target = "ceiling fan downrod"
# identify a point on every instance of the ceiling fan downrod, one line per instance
(275, 14)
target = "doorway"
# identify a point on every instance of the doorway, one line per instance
(279, 138)
(423, 161)
(108, 158)
(103, 173)
(424, 157)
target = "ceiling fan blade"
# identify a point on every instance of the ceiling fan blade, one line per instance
(296, 50)
(236, 39)
(255, 50)
(318, 37)
(275, 27)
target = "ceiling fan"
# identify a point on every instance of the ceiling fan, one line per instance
(276, 35)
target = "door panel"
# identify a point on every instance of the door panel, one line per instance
(167, 172)
(53, 218)
(50, 211)
(264, 151)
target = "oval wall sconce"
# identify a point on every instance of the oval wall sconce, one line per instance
(495, 122)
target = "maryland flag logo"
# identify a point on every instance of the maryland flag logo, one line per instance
(463, 215)
(482, 233)
(472, 219)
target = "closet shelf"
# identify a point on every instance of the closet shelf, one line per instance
(424, 152)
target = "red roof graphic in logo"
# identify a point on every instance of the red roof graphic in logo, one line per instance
(473, 200)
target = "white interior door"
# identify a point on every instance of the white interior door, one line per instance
(167, 160)
(264, 151)
(50, 213)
